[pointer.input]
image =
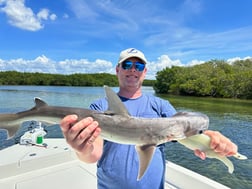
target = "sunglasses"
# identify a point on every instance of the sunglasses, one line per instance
(139, 66)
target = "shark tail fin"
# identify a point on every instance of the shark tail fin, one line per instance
(227, 162)
(11, 128)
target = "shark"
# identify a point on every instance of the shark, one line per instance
(117, 125)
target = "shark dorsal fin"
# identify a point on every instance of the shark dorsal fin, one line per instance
(114, 103)
(39, 102)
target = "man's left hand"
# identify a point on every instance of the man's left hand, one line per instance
(220, 144)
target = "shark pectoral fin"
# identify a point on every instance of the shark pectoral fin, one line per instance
(145, 154)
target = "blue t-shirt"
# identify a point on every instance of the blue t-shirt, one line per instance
(118, 166)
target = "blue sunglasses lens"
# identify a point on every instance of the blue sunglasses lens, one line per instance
(126, 65)
(139, 66)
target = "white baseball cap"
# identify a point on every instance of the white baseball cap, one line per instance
(131, 52)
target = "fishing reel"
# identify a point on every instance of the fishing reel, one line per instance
(34, 135)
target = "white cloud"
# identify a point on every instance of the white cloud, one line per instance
(194, 62)
(44, 64)
(40, 64)
(43, 14)
(23, 17)
(162, 62)
(53, 17)
(82, 9)
(70, 66)
(232, 60)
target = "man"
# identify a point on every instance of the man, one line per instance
(117, 164)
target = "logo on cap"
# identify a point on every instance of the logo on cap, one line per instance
(132, 51)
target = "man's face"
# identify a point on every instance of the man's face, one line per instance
(130, 77)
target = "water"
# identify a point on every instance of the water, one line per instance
(233, 118)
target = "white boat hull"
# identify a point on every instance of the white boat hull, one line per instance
(29, 167)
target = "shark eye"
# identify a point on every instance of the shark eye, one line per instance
(201, 131)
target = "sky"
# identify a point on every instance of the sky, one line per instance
(86, 36)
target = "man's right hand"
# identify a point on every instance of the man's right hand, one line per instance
(83, 137)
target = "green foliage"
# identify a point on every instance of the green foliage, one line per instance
(215, 78)
(17, 78)
(148, 82)
(98, 79)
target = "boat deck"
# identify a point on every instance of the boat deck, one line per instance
(28, 167)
